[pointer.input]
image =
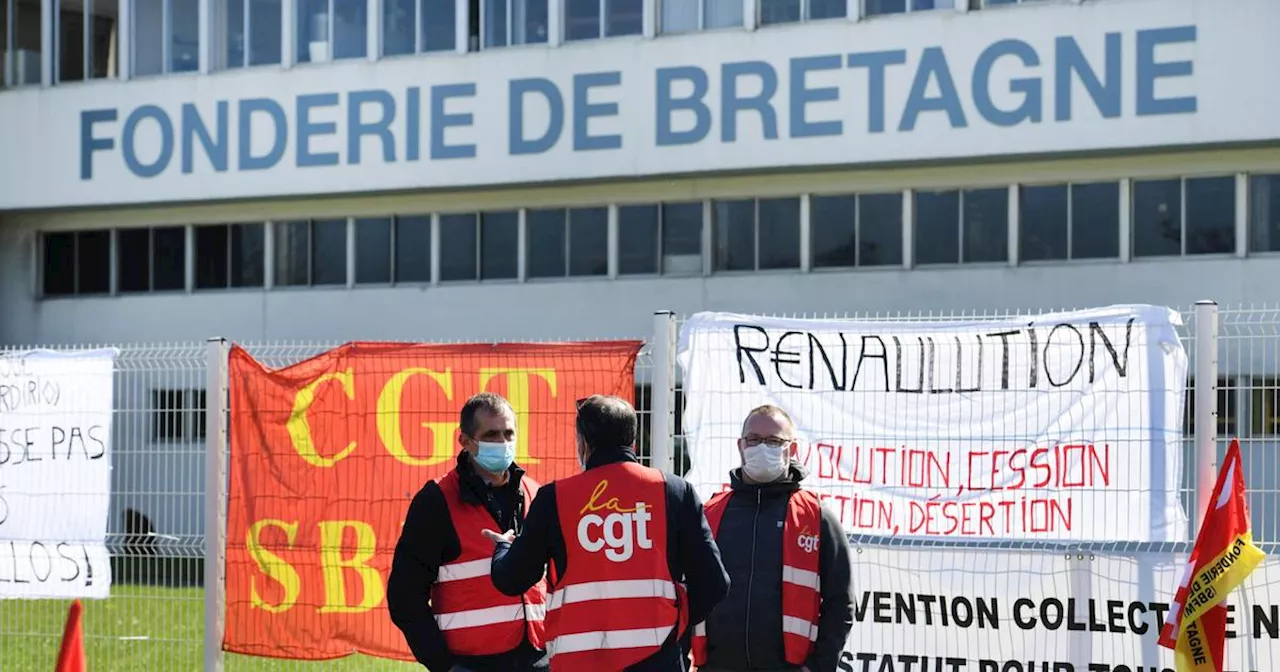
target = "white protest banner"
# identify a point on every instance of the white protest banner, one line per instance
(988, 610)
(1064, 426)
(55, 473)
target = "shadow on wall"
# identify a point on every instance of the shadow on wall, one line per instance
(139, 559)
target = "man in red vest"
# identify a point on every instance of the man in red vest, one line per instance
(439, 591)
(790, 606)
(623, 541)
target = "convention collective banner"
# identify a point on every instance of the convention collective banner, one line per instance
(327, 454)
(1042, 427)
(932, 610)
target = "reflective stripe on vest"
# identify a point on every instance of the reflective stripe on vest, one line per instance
(616, 603)
(475, 618)
(801, 584)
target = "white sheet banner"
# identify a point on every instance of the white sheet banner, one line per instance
(55, 473)
(933, 610)
(1064, 426)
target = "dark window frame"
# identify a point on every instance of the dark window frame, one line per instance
(858, 262)
(232, 272)
(178, 415)
(432, 243)
(76, 236)
(961, 193)
(1182, 216)
(311, 252)
(1071, 221)
(116, 250)
(714, 223)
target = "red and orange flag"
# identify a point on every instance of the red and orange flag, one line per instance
(1223, 556)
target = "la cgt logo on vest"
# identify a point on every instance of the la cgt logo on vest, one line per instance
(808, 542)
(618, 531)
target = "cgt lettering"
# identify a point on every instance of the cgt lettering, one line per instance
(618, 532)
(389, 411)
(808, 542)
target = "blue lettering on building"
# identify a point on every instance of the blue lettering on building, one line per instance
(807, 96)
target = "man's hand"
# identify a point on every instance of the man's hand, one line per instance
(508, 537)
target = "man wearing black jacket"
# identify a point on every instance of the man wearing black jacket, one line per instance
(607, 432)
(745, 632)
(486, 480)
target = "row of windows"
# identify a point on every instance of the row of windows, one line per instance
(164, 35)
(1169, 217)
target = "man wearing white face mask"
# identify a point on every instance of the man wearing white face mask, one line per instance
(790, 603)
(439, 593)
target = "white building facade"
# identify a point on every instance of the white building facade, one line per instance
(521, 169)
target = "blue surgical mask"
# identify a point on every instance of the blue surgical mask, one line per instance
(495, 458)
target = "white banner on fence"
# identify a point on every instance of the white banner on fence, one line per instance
(55, 473)
(1003, 611)
(1062, 426)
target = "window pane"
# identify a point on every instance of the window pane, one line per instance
(545, 243)
(1264, 214)
(679, 16)
(875, 7)
(169, 258)
(589, 241)
(133, 260)
(236, 40)
(499, 246)
(880, 230)
(439, 25)
(413, 249)
(581, 19)
(1043, 214)
(828, 9)
(625, 17)
(148, 37)
(103, 49)
(682, 238)
(350, 35)
(721, 13)
(495, 23)
(329, 252)
(1095, 221)
(733, 224)
(779, 11)
(399, 35)
(1157, 218)
(59, 264)
(93, 262)
(293, 253)
(458, 249)
(312, 31)
(637, 239)
(530, 22)
(986, 225)
(937, 227)
(1211, 215)
(833, 240)
(248, 254)
(779, 233)
(69, 66)
(184, 43)
(373, 250)
(265, 26)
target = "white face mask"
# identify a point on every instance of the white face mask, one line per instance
(763, 463)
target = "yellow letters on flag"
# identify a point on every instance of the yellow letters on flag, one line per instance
(1223, 556)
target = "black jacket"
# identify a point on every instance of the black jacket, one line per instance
(691, 555)
(428, 541)
(744, 632)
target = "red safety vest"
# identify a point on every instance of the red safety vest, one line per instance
(801, 585)
(616, 603)
(474, 617)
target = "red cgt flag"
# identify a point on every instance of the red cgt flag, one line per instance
(1223, 555)
(71, 655)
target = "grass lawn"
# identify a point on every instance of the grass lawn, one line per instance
(139, 629)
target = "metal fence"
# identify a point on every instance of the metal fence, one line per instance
(161, 614)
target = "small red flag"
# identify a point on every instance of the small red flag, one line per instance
(71, 655)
